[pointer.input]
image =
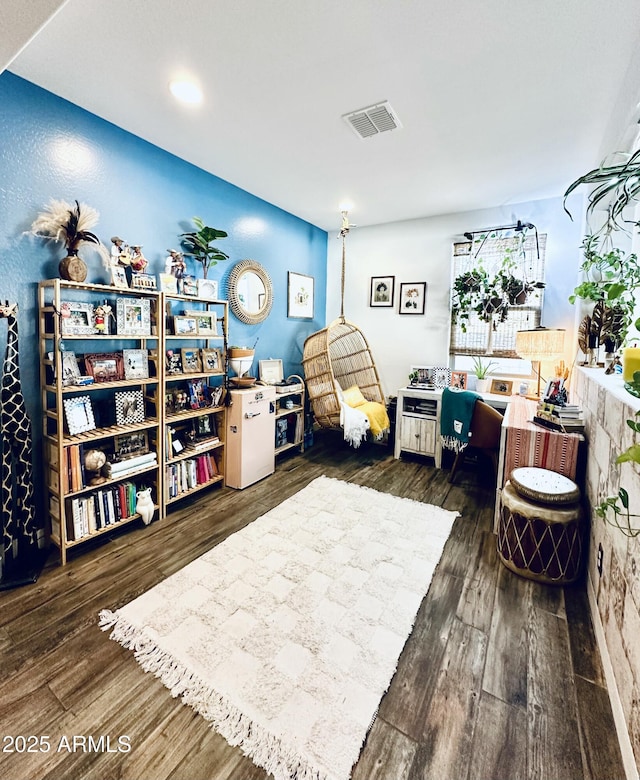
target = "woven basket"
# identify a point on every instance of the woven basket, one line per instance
(338, 355)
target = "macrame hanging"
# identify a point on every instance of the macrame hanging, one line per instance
(338, 356)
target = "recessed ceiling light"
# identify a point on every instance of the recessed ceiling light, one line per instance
(186, 91)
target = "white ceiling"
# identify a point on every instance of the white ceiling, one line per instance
(501, 101)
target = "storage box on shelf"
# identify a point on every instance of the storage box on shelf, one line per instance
(194, 343)
(100, 375)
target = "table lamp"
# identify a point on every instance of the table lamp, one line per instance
(540, 344)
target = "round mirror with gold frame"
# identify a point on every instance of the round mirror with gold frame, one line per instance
(250, 292)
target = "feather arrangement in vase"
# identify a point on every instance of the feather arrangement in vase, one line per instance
(71, 226)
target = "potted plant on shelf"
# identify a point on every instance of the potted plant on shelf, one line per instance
(62, 222)
(198, 244)
(483, 371)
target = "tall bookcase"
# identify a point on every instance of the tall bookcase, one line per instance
(152, 411)
(193, 422)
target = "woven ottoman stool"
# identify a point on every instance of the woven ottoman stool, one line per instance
(540, 526)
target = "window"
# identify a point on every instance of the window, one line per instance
(497, 290)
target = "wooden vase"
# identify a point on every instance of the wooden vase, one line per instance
(72, 268)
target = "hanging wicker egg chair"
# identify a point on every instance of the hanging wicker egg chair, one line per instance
(338, 356)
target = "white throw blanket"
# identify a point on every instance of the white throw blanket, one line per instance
(355, 424)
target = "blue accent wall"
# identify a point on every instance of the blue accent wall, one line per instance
(50, 148)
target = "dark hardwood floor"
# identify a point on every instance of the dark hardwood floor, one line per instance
(500, 678)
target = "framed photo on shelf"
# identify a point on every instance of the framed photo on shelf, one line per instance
(104, 366)
(211, 360)
(185, 326)
(413, 297)
(168, 283)
(144, 282)
(133, 316)
(70, 369)
(553, 390)
(206, 322)
(207, 289)
(190, 361)
(382, 290)
(128, 445)
(300, 295)
(501, 386)
(206, 426)
(459, 379)
(119, 276)
(77, 319)
(129, 407)
(173, 361)
(79, 414)
(197, 396)
(136, 363)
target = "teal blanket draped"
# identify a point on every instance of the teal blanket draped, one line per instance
(455, 417)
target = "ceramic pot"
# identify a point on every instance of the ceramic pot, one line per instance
(72, 268)
(483, 385)
(144, 505)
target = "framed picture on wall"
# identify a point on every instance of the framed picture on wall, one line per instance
(413, 297)
(382, 289)
(300, 296)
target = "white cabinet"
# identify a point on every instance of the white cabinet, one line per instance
(418, 423)
(250, 435)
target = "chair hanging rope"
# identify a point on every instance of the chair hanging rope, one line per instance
(338, 356)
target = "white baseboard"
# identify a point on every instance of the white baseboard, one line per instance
(628, 759)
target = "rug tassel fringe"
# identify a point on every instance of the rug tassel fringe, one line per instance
(262, 747)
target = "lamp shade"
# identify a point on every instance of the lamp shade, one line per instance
(540, 344)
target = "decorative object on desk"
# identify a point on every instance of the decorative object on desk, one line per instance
(501, 386)
(191, 361)
(144, 505)
(300, 295)
(455, 417)
(439, 376)
(459, 379)
(422, 376)
(129, 407)
(185, 326)
(382, 291)
(198, 244)
(483, 371)
(133, 316)
(555, 392)
(413, 297)
(211, 360)
(206, 322)
(71, 225)
(310, 729)
(136, 363)
(79, 414)
(77, 319)
(105, 366)
(540, 344)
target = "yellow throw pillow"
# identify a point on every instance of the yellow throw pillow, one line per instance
(353, 397)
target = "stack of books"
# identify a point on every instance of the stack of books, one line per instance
(567, 418)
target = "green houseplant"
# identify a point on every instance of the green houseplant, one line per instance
(197, 243)
(483, 371)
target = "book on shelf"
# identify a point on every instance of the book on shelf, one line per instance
(119, 468)
(559, 425)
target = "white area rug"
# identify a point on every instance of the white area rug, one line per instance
(286, 635)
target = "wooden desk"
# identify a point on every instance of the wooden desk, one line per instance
(523, 443)
(418, 420)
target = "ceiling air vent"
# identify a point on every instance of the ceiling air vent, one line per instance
(372, 120)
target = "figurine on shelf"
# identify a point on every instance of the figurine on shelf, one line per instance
(101, 315)
(175, 265)
(120, 253)
(138, 260)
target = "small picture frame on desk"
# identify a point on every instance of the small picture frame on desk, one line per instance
(501, 387)
(460, 380)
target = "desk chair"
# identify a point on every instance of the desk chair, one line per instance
(484, 436)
